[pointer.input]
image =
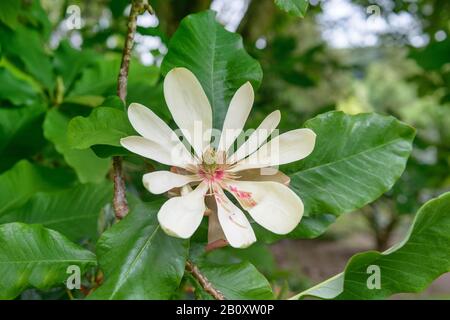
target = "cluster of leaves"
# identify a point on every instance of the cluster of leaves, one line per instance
(60, 126)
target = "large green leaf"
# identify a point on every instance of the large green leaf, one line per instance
(104, 126)
(355, 160)
(216, 57)
(74, 212)
(410, 266)
(86, 164)
(22, 181)
(139, 260)
(33, 256)
(295, 7)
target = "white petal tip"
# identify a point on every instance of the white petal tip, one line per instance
(172, 233)
(242, 245)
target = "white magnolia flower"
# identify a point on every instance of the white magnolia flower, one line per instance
(210, 170)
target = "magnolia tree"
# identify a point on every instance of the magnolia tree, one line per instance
(215, 183)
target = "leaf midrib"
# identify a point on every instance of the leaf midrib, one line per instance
(349, 157)
(133, 263)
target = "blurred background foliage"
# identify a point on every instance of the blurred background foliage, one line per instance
(390, 57)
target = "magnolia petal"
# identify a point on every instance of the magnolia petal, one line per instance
(166, 154)
(181, 216)
(234, 223)
(264, 174)
(158, 182)
(288, 147)
(189, 107)
(151, 127)
(271, 204)
(237, 114)
(257, 138)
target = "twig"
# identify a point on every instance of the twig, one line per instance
(137, 7)
(120, 200)
(203, 281)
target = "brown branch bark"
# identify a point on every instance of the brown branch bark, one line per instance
(137, 7)
(203, 281)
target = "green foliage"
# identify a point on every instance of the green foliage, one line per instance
(126, 251)
(434, 56)
(33, 256)
(294, 7)
(9, 10)
(21, 133)
(86, 164)
(14, 90)
(104, 126)
(61, 121)
(240, 281)
(409, 266)
(22, 181)
(356, 159)
(215, 56)
(74, 212)
(100, 80)
(233, 272)
(69, 63)
(35, 61)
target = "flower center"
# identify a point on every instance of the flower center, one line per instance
(213, 165)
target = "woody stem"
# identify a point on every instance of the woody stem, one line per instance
(137, 7)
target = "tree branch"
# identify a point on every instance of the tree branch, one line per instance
(137, 7)
(203, 281)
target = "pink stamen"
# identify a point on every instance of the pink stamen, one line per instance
(218, 175)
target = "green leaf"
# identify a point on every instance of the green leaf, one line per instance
(216, 57)
(20, 133)
(101, 79)
(105, 126)
(139, 260)
(410, 266)
(74, 212)
(17, 91)
(9, 11)
(21, 182)
(257, 254)
(33, 256)
(26, 46)
(294, 7)
(98, 79)
(86, 164)
(105, 151)
(70, 63)
(240, 281)
(355, 160)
